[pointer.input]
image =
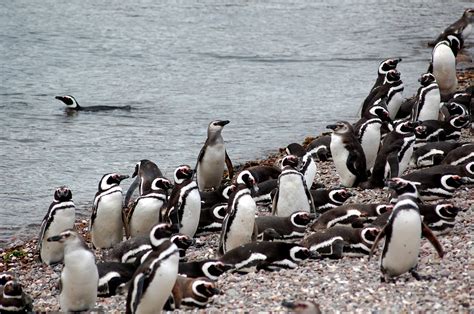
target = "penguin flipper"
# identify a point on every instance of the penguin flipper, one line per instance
(427, 233)
(356, 165)
(310, 199)
(230, 167)
(275, 202)
(392, 160)
(130, 190)
(377, 239)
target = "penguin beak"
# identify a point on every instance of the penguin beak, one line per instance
(214, 290)
(59, 98)
(226, 267)
(314, 255)
(331, 126)
(223, 122)
(123, 177)
(55, 238)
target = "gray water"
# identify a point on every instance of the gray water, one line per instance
(279, 71)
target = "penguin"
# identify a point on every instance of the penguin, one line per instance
(432, 154)
(290, 227)
(213, 158)
(453, 108)
(442, 130)
(145, 172)
(263, 173)
(391, 89)
(214, 197)
(428, 99)
(4, 278)
(443, 64)
(320, 148)
(354, 215)
(308, 166)
(266, 190)
(239, 225)
(183, 242)
(14, 300)
(184, 206)
(463, 27)
(72, 105)
(460, 155)
(112, 275)
(348, 154)
(79, 276)
(209, 268)
(339, 241)
(403, 234)
(367, 131)
(395, 153)
(440, 218)
(154, 279)
(146, 210)
(269, 234)
(61, 215)
(106, 224)
(325, 199)
(292, 194)
(384, 67)
(302, 307)
(266, 255)
(193, 292)
(210, 219)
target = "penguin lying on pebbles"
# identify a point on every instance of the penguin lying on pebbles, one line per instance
(210, 268)
(403, 234)
(440, 218)
(265, 193)
(338, 241)
(293, 226)
(325, 199)
(263, 173)
(79, 276)
(320, 148)
(460, 155)
(72, 104)
(211, 219)
(432, 154)
(442, 130)
(13, 299)
(112, 275)
(192, 292)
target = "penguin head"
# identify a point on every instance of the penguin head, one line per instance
(182, 173)
(291, 161)
(295, 149)
(406, 126)
(388, 64)
(62, 194)
(427, 79)
(447, 210)
(402, 186)
(216, 126)
(162, 232)
(110, 180)
(392, 76)
(301, 219)
(459, 122)
(455, 42)
(455, 108)
(204, 288)
(341, 127)
(420, 131)
(227, 191)
(214, 268)
(339, 196)
(469, 13)
(246, 178)
(369, 234)
(299, 253)
(68, 236)
(452, 181)
(161, 184)
(302, 306)
(383, 208)
(69, 101)
(469, 167)
(6, 277)
(381, 112)
(12, 289)
(182, 241)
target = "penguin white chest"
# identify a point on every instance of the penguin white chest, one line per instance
(370, 143)
(241, 229)
(340, 155)
(108, 226)
(145, 215)
(191, 213)
(52, 252)
(403, 247)
(310, 173)
(291, 195)
(395, 102)
(444, 68)
(211, 167)
(430, 109)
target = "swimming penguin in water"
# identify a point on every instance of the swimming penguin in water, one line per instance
(72, 104)
(79, 276)
(61, 216)
(145, 172)
(403, 234)
(213, 158)
(106, 225)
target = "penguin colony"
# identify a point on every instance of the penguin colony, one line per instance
(145, 239)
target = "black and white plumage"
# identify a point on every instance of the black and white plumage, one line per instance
(348, 154)
(112, 276)
(462, 27)
(146, 171)
(432, 154)
(440, 218)
(384, 67)
(302, 307)
(191, 292)
(428, 99)
(325, 199)
(211, 198)
(266, 255)
(72, 104)
(213, 158)
(265, 193)
(308, 166)
(210, 268)
(443, 63)
(292, 194)
(211, 218)
(460, 155)
(403, 233)
(263, 173)
(293, 226)
(146, 210)
(154, 279)
(13, 299)
(320, 148)
(106, 225)
(239, 225)
(339, 241)
(436, 130)
(184, 205)
(79, 276)
(61, 215)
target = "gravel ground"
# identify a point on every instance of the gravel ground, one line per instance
(346, 285)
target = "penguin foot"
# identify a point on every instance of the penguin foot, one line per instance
(419, 277)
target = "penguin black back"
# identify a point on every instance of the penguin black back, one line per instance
(72, 104)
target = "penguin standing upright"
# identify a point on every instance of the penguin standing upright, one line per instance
(239, 224)
(348, 154)
(384, 67)
(403, 233)
(184, 206)
(106, 224)
(292, 194)
(154, 279)
(61, 216)
(79, 276)
(443, 64)
(308, 166)
(145, 172)
(213, 158)
(428, 99)
(146, 210)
